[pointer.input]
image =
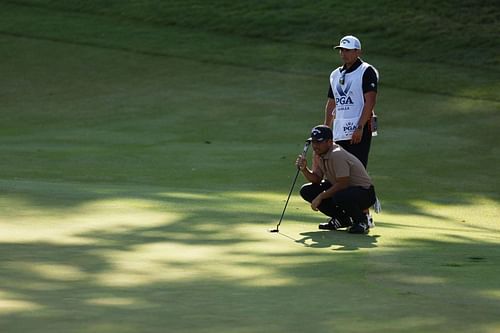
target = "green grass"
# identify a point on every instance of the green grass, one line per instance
(144, 160)
(418, 29)
(452, 69)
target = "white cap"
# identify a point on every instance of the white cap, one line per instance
(349, 42)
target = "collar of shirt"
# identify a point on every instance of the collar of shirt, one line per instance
(354, 66)
(330, 152)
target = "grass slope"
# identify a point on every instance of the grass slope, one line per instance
(146, 28)
(131, 204)
(465, 31)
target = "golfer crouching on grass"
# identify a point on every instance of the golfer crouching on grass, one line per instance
(339, 184)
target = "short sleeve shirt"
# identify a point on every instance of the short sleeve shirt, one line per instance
(338, 163)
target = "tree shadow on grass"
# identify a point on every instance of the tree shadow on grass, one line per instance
(207, 270)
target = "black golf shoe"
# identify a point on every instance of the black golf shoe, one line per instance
(334, 224)
(359, 228)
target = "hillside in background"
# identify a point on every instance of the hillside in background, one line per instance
(463, 32)
(445, 47)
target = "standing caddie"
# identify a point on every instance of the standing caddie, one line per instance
(351, 100)
(352, 96)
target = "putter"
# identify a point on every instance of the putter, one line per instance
(304, 152)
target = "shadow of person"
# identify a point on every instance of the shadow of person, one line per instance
(339, 240)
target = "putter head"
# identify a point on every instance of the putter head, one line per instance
(274, 230)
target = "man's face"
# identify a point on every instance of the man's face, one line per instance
(349, 56)
(321, 148)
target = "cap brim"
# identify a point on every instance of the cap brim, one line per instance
(343, 47)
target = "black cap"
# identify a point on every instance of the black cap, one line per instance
(321, 133)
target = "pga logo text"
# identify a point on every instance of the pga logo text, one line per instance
(349, 127)
(343, 100)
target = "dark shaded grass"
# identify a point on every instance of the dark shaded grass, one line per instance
(423, 284)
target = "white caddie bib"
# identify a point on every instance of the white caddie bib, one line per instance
(349, 101)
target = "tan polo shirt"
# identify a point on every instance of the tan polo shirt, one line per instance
(340, 163)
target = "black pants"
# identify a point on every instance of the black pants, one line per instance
(361, 149)
(349, 202)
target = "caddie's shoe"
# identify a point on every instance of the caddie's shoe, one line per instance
(359, 228)
(334, 224)
(369, 220)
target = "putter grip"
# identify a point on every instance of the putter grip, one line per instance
(306, 147)
(304, 151)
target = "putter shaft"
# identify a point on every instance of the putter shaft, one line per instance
(304, 152)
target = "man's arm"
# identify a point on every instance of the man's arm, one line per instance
(370, 100)
(314, 176)
(329, 112)
(370, 87)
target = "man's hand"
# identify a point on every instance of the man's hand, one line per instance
(301, 163)
(356, 136)
(316, 202)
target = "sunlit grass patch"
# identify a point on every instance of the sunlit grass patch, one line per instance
(76, 224)
(10, 303)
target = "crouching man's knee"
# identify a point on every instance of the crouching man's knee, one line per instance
(310, 191)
